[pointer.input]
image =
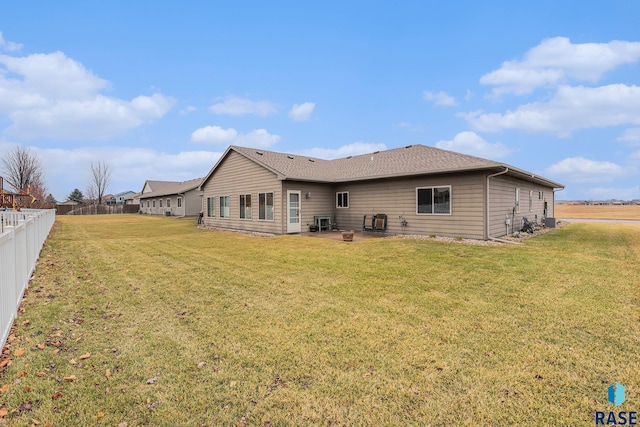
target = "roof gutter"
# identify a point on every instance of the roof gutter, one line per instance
(487, 221)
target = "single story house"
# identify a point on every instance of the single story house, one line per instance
(171, 198)
(421, 190)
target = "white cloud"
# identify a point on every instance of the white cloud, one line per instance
(302, 112)
(473, 144)
(65, 169)
(235, 106)
(258, 138)
(581, 170)
(571, 108)
(214, 135)
(69, 169)
(630, 135)
(557, 60)
(353, 149)
(187, 110)
(8, 46)
(51, 95)
(440, 98)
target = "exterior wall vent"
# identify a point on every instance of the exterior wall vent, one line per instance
(311, 160)
(290, 157)
(259, 153)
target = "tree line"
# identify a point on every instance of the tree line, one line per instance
(22, 169)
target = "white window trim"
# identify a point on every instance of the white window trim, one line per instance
(265, 204)
(213, 210)
(517, 200)
(169, 203)
(240, 209)
(179, 202)
(220, 208)
(348, 199)
(432, 204)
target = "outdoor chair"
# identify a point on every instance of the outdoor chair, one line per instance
(380, 222)
(367, 225)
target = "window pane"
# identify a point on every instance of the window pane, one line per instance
(261, 206)
(441, 200)
(245, 206)
(270, 206)
(211, 206)
(425, 200)
(224, 207)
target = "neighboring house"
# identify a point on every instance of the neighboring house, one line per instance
(171, 198)
(132, 199)
(422, 190)
(121, 198)
(108, 199)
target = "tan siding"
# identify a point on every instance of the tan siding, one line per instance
(317, 199)
(235, 176)
(502, 201)
(192, 202)
(397, 198)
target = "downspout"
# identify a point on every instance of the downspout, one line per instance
(487, 221)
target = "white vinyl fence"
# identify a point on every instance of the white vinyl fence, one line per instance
(22, 235)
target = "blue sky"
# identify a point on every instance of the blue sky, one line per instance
(160, 89)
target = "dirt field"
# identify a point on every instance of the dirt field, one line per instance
(566, 210)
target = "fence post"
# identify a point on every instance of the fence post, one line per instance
(8, 280)
(21, 239)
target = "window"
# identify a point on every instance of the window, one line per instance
(342, 199)
(245, 206)
(265, 206)
(179, 202)
(211, 206)
(540, 195)
(160, 203)
(168, 203)
(530, 200)
(433, 200)
(517, 200)
(154, 203)
(224, 207)
(147, 203)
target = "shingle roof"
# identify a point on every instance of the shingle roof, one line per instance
(163, 188)
(405, 161)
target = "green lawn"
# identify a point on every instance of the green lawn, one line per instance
(305, 331)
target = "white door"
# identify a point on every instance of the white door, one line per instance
(293, 212)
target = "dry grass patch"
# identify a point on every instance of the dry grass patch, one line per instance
(568, 210)
(186, 326)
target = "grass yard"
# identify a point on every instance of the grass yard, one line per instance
(570, 210)
(137, 320)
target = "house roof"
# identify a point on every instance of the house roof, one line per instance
(406, 161)
(164, 188)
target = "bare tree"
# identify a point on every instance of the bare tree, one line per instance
(21, 167)
(100, 180)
